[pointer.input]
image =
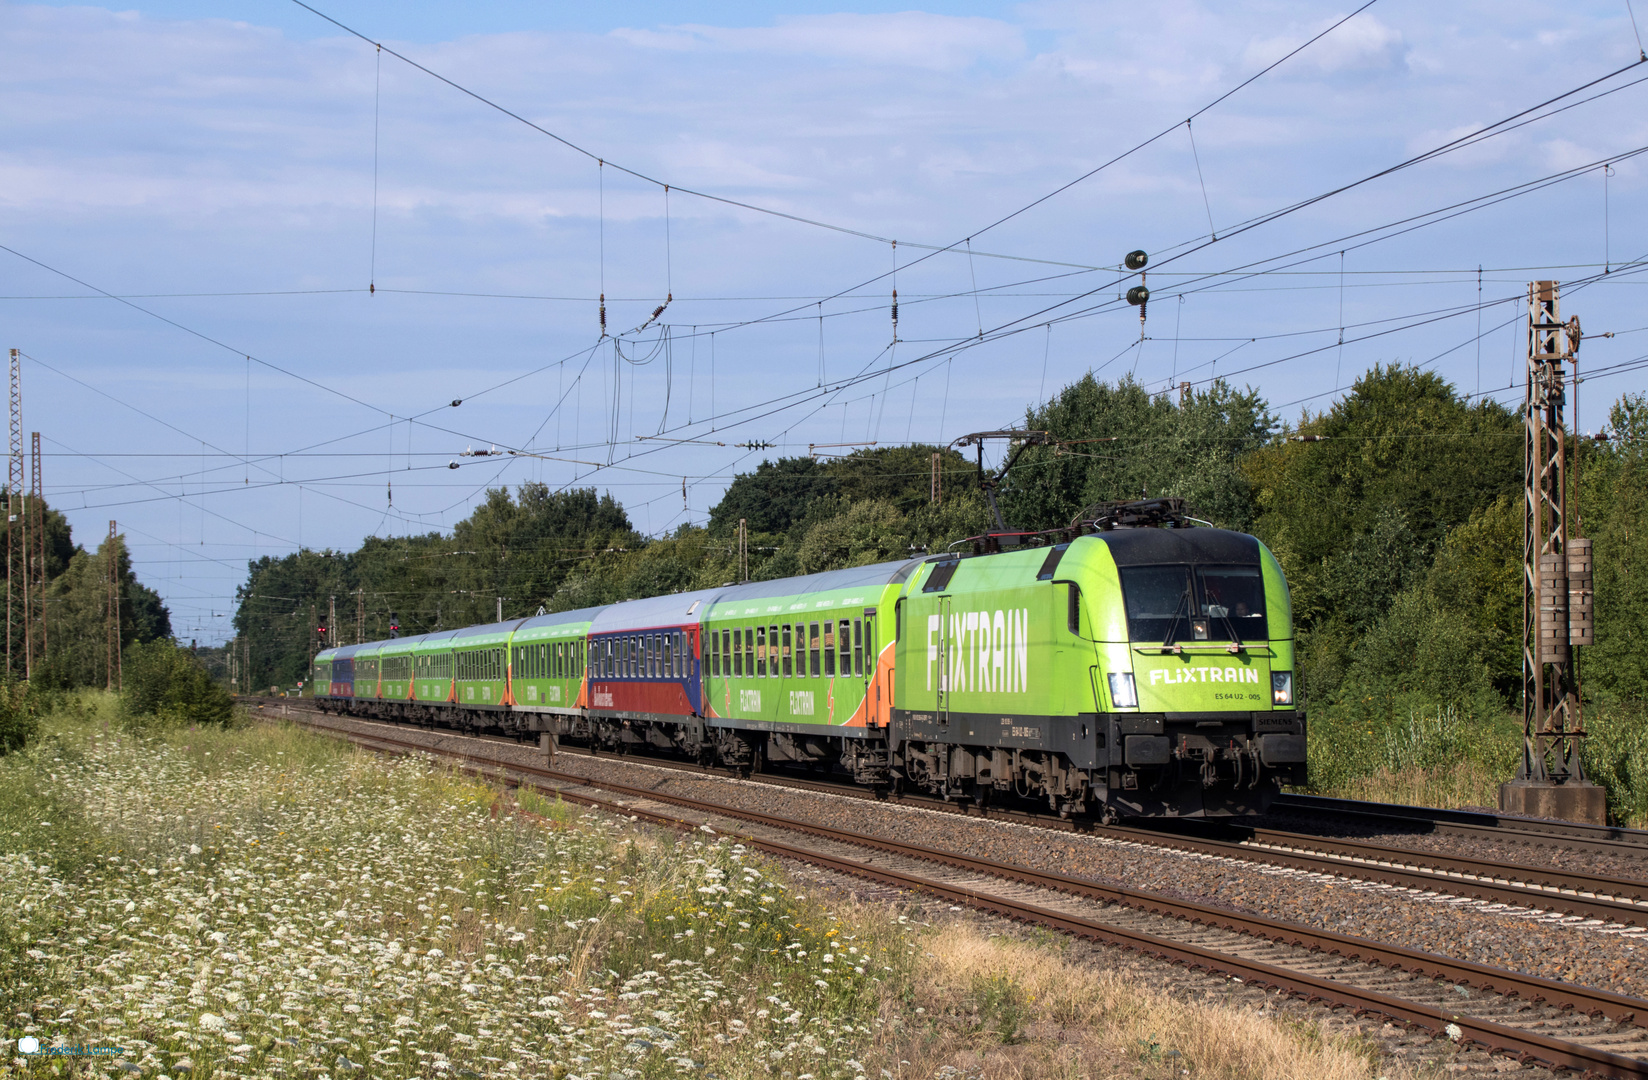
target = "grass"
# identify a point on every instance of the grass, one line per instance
(257, 901)
(1001, 1007)
(1450, 758)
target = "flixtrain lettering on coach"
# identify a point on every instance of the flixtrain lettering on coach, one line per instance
(987, 652)
(1218, 675)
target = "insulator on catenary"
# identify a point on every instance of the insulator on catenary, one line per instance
(895, 307)
(603, 314)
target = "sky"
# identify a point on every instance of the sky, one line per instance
(274, 287)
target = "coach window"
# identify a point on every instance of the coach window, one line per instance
(712, 655)
(738, 652)
(655, 662)
(813, 645)
(784, 651)
(829, 649)
(858, 647)
(761, 652)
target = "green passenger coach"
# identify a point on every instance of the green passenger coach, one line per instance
(1132, 665)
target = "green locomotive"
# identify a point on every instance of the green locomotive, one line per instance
(1120, 671)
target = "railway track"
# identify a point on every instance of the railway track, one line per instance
(1613, 901)
(1532, 832)
(1535, 1019)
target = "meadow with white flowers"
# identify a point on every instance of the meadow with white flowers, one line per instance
(267, 903)
(258, 901)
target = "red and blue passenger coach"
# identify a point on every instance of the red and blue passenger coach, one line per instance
(643, 658)
(343, 672)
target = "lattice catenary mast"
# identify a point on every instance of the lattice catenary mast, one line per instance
(1556, 586)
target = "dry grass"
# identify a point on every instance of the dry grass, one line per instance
(1466, 783)
(1004, 1009)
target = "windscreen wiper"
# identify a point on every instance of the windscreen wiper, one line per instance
(1178, 608)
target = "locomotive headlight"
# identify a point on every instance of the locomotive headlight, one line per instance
(1281, 687)
(1123, 694)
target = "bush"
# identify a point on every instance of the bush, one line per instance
(19, 720)
(162, 684)
(1616, 755)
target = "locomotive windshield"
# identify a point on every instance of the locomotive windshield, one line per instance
(1203, 603)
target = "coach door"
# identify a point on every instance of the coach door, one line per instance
(872, 684)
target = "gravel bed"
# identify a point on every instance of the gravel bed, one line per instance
(1573, 950)
(1529, 852)
(1416, 1049)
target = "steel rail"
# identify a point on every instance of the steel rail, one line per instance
(1609, 839)
(1527, 1044)
(1614, 900)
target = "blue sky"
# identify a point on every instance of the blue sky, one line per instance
(214, 165)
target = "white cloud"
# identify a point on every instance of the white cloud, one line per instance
(909, 38)
(1364, 44)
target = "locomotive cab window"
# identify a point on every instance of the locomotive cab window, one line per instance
(1184, 604)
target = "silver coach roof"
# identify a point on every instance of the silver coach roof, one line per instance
(854, 577)
(505, 627)
(561, 618)
(676, 609)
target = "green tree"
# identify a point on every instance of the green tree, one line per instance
(77, 616)
(1401, 451)
(1614, 505)
(773, 497)
(1119, 442)
(163, 684)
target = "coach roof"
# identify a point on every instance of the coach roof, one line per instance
(676, 609)
(874, 576)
